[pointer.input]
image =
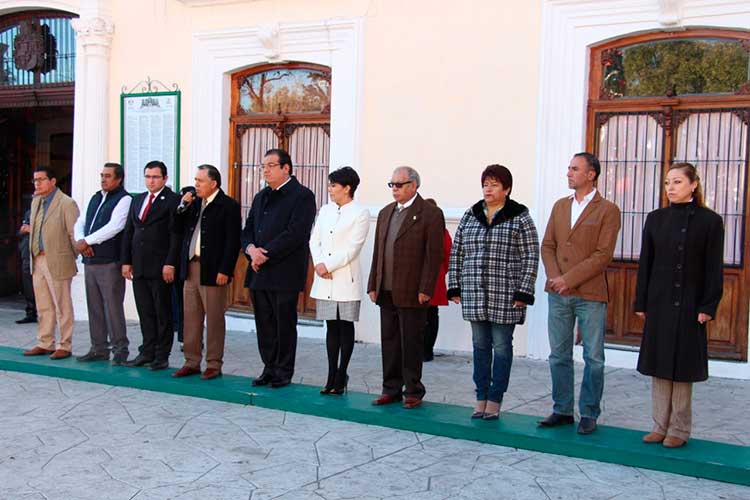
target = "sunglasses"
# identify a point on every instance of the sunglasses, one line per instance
(398, 185)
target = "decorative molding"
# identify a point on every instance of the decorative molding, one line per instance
(670, 13)
(268, 35)
(336, 43)
(211, 3)
(94, 31)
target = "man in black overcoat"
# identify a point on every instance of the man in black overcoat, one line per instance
(150, 250)
(24, 233)
(210, 228)
(276, 242)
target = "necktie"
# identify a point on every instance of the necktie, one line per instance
(36, 229)
(148, 207)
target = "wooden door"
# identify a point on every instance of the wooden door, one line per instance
(279, 106)
(636, 149)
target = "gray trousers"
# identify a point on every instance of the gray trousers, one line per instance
(105, 294)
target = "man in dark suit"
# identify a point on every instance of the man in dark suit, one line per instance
(276, 242)
(24, 233)
(211, 227)
(405, 265)
(150, 249)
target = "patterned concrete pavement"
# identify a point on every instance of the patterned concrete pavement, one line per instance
(70, 440)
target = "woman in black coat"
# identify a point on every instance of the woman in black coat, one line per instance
(680, 283)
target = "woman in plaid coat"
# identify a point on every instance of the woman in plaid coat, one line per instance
(492, 271)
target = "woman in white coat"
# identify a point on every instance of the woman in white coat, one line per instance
(335, 245)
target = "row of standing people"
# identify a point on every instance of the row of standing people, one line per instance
(492, 271)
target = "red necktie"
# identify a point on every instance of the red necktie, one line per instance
(148, 207)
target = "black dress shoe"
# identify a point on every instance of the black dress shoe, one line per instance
(262, 380)
(587, 425)
(94, 356)
(556, 419)
(139, 360)
(275, 384)
(120, 359)
(27, 319)
(158, 364)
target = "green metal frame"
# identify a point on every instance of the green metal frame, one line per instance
(176, 166)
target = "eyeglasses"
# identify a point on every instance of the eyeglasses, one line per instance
(269, 165)
(40, 180)
(398, 185)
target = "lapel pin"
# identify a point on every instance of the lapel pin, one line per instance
(161, 197)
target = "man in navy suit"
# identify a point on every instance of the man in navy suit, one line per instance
(150, 250)
(276, 242)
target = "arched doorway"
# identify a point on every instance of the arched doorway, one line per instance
(37, 78)
(658, 98)
(279, 106)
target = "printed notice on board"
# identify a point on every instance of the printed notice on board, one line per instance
(150, 128)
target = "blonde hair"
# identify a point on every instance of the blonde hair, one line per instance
(692, 174)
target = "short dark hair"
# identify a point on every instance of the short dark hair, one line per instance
(284, 158)
(156, 164)
(212, 172)
(119, 171)
(346, 176)
(499, 173)
(592, 161)
(47, 170)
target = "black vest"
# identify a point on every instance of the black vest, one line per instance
(108, 251)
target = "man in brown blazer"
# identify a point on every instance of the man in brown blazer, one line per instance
(405, 264)
(577, 248)
(53, 215)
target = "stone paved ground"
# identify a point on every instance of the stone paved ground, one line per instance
(68, 440)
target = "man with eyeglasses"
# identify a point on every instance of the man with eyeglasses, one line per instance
(405, 265)
(53, 264)
(276, 242)
(210, 224)
(99, 239)
(150, 251)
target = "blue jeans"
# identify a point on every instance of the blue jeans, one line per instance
(592, 317)
(493, 357)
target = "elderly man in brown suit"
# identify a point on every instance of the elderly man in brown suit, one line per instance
(577, 248)
(53, 215)
(405, 265)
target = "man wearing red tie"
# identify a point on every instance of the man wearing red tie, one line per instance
(150, 250)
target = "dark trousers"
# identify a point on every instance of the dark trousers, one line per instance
(276, 326)
(28, 289)
(178, 313)
(339, 345)
(430, 332)
(153, 299)
(402, 340)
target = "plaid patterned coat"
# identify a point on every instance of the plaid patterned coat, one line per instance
(491, 266)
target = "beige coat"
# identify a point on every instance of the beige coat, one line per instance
(57, 234)
(582, 253)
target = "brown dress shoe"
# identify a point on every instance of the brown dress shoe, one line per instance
(411, 402)
(673, 442)
(37, 351)
(211, 373)
(186, 371)
(386, 399)
(653, 437)
(60, 354)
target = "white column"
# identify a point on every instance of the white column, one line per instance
(90, 130)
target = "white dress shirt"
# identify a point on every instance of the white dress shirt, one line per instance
(110, 229)
(197, 228)
(400, 207)
(576, 208)
(145, 202)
